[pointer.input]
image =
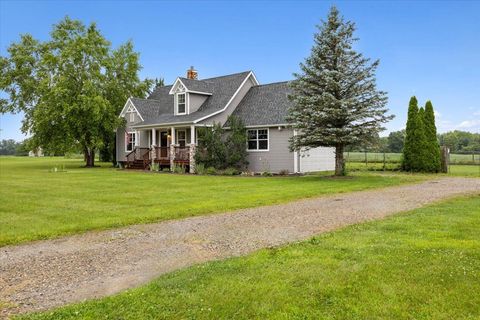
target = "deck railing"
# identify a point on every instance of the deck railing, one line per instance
(162, 153)
(139, 153)
(182, 154)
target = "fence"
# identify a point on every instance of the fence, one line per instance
(392, 161)
(378, 157)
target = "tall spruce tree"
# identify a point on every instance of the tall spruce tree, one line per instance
(433, 148)
(335, 99)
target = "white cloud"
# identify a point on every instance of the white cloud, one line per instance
(469, 124)
(476, 113)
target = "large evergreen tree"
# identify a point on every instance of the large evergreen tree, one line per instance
(335, 99)
(433, 148)
(70, 88)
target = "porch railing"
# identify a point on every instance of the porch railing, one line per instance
(139, 153)
(162, 153)
(182, 154)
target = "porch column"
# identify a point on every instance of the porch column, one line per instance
(154, 136)
(137, 138)
(153, 152)
(172, 147)
(192, 150)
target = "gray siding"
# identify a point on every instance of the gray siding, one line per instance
(120, 141)
(195, 101)
(222, 117)
(278, 157)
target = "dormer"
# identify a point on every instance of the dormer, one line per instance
(189, 93)
(130, 112)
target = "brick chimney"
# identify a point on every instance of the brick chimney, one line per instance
(192, 73)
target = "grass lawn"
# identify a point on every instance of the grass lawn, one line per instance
(36, 203)
(424, 264)
(397, 157)
(465, 171)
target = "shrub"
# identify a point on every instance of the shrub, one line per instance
(267, 174)
(210, 170)
(155, 167)
(211, 151)
(221, 148)
(200, 168)
(230, 172)
(178, 169)
(284, 172)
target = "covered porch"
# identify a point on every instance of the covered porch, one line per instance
(166, 146)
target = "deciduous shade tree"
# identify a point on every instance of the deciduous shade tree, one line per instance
(71, 88)
(335, 98)
(395, 141)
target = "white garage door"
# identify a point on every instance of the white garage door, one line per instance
(318, 159)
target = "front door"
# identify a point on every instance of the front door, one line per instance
(164, 144)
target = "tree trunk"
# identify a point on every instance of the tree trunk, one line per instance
(89, 157)
(339, 163)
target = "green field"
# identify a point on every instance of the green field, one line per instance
(454, 170)
(36, 203)
(424, 264)
(396, 158)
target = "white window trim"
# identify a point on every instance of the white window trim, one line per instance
(176, 103)
(132, 116)
(133, 144)
(268, 140)
(177, 136)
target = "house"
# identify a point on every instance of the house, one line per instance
(163, 128)
(37, 152)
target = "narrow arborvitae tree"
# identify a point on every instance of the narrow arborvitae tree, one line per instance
(433, 148)
(415, 157)
(408, 158)
(422, 143)
(335, 99)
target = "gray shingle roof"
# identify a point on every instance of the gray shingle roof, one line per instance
(198, 85)
(265, 105)
(158, 107)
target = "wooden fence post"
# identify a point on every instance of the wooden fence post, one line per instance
(444, 156)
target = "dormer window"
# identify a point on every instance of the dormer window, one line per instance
(181, 104)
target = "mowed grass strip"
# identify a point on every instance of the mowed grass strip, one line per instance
(454, 170)
(38, 204)
(424, 264)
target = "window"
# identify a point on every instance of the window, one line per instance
(257, 139)
(181, 105)
(181, 138)
(130, 139)
(132, 117)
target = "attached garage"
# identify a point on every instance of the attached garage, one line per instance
(318, 159)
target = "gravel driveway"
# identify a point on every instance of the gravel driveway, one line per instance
(46, 274)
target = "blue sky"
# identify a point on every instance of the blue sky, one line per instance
(427, 49)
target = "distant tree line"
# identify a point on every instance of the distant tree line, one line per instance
(10, 147)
